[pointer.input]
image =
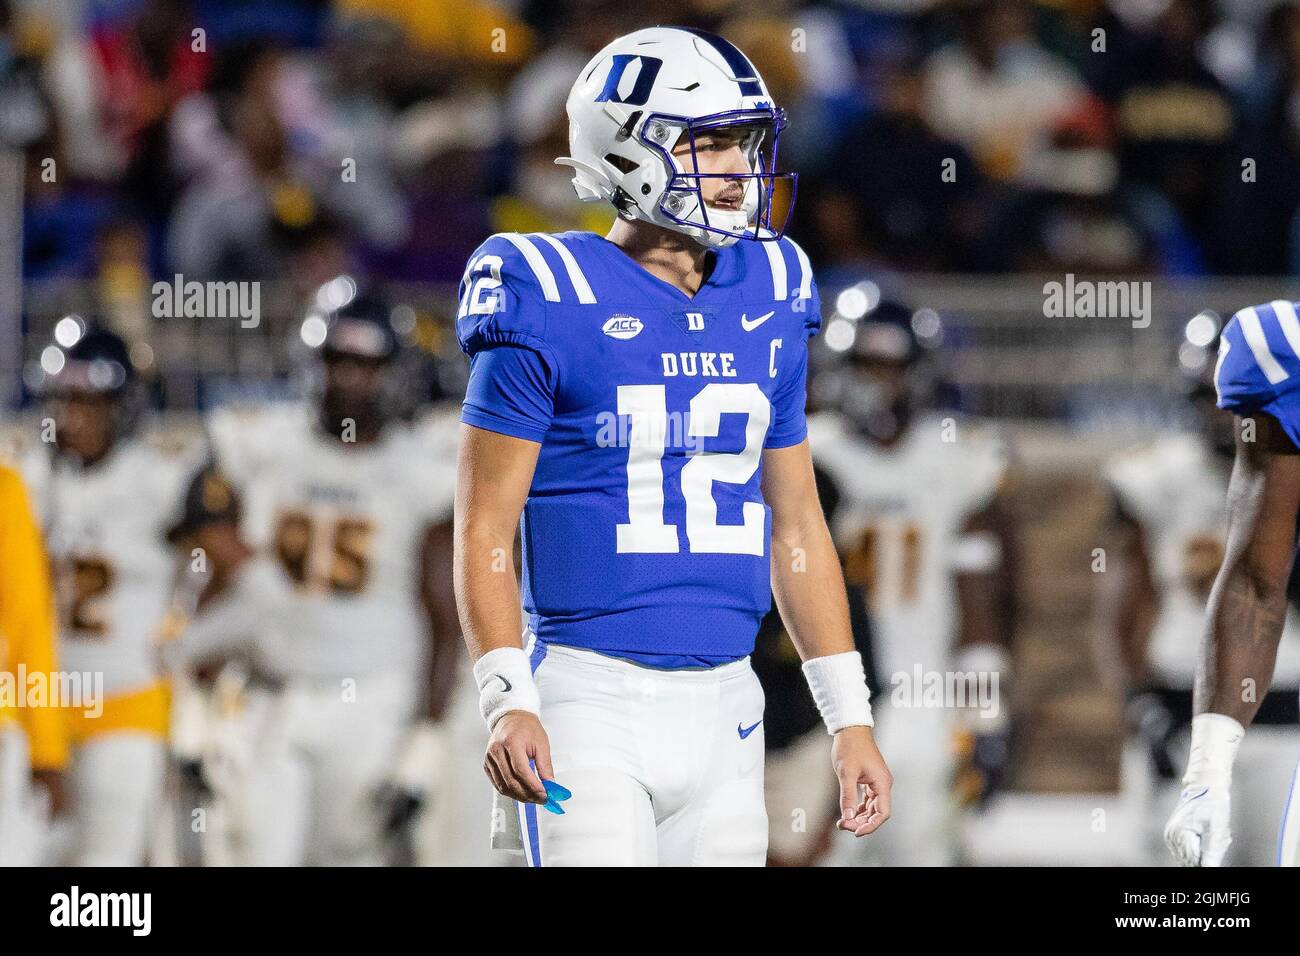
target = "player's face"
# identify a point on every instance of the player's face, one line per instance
(82, 425)
(717, 154)
(352, 391)
(879, 398)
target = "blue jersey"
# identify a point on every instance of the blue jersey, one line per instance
(645, 534)
(1259, 364)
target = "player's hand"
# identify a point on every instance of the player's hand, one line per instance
(52, 782)
(518, 744)
(416, 775)
(1199, 831)
(865, 781)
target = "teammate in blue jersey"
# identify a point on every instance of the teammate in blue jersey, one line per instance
(639, 400)
(1258, 378)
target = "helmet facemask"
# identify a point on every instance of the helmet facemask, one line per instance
(682, 205)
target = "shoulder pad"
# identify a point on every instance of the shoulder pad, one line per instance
(508, 284)
(244, 438)
(1259, 357)
(792, 280)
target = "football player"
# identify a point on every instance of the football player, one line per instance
(639, 399)
(927, 535)
(1256, 376)
(105, 498)
(33, 739)
(337, 565)
(1168, 512)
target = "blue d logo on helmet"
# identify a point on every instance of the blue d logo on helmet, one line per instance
(648, 93)
(645, 79)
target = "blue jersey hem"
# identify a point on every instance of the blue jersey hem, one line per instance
(656, 637)
(480, 418)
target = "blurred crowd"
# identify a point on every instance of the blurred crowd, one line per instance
(293, 139)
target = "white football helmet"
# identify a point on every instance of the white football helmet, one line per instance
(636, 100)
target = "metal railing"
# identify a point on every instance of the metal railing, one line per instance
(1001, 353)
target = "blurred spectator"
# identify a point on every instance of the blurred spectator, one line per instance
(1074, 216)
(886, 196)
(997, 89)
(146, 65)
(1174, 119)
(542, 197)
(122, 279)
(392, 135)
(1257, 231)
(447, 149)
(453, 31)
(70, 76)
(24, 110)
(268, 186)
(60, 217)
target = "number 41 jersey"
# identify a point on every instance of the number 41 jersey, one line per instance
(645, 534)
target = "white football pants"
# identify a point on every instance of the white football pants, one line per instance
(318, 755)
(117, 783)
(22, 823)
(1288, 839)
(656, 761)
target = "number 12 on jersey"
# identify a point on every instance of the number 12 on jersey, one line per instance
(645, 531)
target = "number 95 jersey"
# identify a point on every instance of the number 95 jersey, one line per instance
(645, 534)
(345, 523)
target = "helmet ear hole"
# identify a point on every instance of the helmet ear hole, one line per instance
(621, 163)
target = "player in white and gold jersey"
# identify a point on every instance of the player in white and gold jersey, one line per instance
(104, 499)
(924, 532)
(343, 544)
(1169, 515)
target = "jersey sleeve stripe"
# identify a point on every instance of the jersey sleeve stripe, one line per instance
(805, 276)
(579, 281)
(1286, 318)
(533, 256)
(1253, 332)
(777, 260)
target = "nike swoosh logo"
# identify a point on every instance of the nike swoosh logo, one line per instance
(509, 686)
(749, 325)
(746, 731)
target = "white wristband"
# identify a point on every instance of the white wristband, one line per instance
(505, 682)
(1215, 739)
(839, 687)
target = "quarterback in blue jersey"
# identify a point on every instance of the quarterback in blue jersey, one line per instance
(636, 410)
(1257, 378)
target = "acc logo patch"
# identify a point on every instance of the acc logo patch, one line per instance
(622, 326)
